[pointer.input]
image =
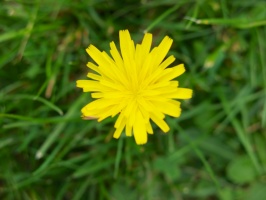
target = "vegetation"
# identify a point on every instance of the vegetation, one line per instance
(215, 150)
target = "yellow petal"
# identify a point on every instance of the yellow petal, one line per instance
(116, 55)
(174, 83)
(93, 67)
(144, 112)
(158, 85)
(128, 130)
(87, 112)
(96, 55)
(172, 73)
(142, 50)
(139, 128)
(97, 95)
(138, 57)
(180, 93)
(168, 61)
(156, 74)
(117, 109)
(113, 71)
(168, 107)
(149, 128)
(146, 44)
(94, 76)
(162, 50)
(119, 130)
(129, 107)
(100, 104)
(131, 113)
(112, 86)
(119, 120)
(89, 85)
(104, 62)
(144, 103)
(160, 122)
(128, 53)
(125, 44)
(110, 111)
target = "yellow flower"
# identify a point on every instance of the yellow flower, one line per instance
(136, 85)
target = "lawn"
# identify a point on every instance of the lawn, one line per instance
(216, 149)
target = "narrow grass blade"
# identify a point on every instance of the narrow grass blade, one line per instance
(241, 135)
(118, 157)
(161, 17)
(237, 23)
(58, 129)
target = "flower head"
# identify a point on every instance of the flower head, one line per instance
(136, 85)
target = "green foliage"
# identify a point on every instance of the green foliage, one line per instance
(215, 150)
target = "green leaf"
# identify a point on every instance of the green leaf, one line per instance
(167, 167)
(241, 170)
(257, 192)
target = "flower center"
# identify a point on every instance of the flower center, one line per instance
(135, 94)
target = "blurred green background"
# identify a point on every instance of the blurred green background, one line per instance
(215, 150)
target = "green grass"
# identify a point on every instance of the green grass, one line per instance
(215, 150)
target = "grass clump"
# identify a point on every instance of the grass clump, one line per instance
(215, 150)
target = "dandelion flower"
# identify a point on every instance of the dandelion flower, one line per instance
(134, 84)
